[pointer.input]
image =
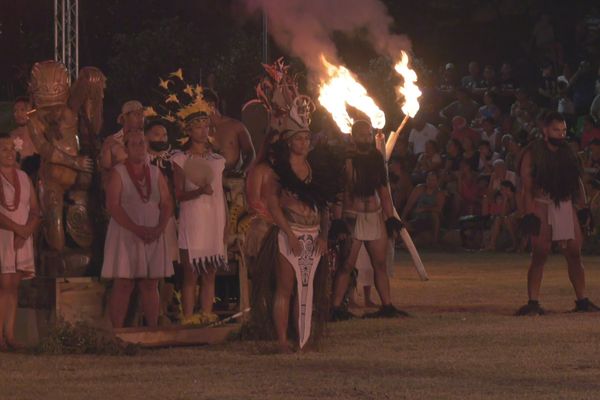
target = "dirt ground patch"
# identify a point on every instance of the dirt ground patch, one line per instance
(461, 343)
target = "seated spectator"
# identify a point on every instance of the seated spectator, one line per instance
(593, 155)
(424, 207)
(421, 133)
(452, 160)
(507, 85)
(463, 106)
(590, 131)
(489, 109)
(403, 154)
(504, 143)
(500, 174)
(513, 154)
(460, 131)
(502, 213)
(470, 190)
(486, 158)
(448, 81)
(565, 105)
(400, 182)
(429, 160)
(490, 134)
(470, 155)
(470, 81)
(523, 104)
(471, 195)
(595, 108)
(488, 82)
(530, 125)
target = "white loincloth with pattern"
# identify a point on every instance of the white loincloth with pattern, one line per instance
(305, 268)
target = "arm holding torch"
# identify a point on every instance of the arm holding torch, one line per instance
(386, 149)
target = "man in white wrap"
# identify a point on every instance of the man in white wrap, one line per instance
(368, 217)
(553, 198)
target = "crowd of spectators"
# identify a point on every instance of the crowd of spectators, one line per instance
(457, 166)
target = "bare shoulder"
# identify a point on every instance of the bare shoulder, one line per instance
(234, 125)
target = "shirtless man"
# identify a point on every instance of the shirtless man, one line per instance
(230, 138)
(28, 156)
(368, 213)
(551, 195)
(113, 149)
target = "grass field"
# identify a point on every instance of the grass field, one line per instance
(461, 343)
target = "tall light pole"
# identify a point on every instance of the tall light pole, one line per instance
(66, 35)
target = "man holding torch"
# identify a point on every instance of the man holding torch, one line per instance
(365, 216)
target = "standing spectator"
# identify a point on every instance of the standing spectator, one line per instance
(421, 133)
(542, 38)
(464, 106)
(136, 251)
(19, 218)
(582, 86)
(547, 90)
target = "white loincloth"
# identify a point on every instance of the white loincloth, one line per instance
(368, 226)
(561, 219)
(305, 268)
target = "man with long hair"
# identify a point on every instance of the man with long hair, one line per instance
(368, 215)
(553, 197)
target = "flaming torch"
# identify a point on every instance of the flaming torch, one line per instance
(411, 93)
(340, 89)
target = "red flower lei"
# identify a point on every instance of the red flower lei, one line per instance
(140, 181)
(17, 198)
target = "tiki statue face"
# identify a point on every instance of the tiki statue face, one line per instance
(49, 84)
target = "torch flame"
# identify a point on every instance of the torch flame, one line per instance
(340, 89)
(409, 90)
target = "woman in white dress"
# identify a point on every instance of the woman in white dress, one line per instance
(19, 218)
(136, 252)
(197, 174)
